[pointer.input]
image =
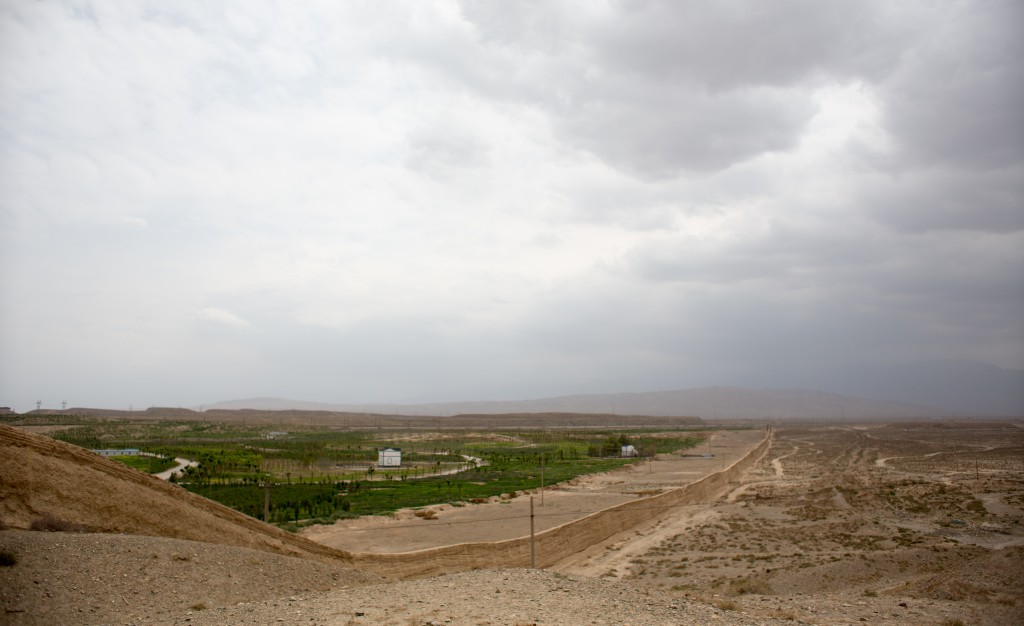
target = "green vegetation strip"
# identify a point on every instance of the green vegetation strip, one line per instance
(148, 464)
(323, 475)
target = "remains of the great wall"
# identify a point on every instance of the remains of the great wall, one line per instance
(40, 476)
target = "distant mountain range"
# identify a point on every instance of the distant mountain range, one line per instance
(937, 388)
(708, 403)
(963, 387)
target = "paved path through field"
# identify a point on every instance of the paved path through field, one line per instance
(182, 464)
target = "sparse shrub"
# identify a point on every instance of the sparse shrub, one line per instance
(727, 605)
(198, 606)
(977, 506)
(427, 514)
(8, 558)
(870, 593)
(757, 586)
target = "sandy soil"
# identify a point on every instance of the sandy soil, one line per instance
(507, 518)
(116, 579)
(85, 578)
(44, 480)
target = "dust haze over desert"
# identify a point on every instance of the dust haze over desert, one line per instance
(798, 226)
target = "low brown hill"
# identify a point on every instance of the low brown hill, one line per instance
(48, 483)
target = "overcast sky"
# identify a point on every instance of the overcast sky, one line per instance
(417, 201)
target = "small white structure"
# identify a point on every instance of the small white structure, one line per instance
(629, 451)
(389, 457)
(124, 452)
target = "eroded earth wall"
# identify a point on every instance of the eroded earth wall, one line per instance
(560, 542)
(41, 477)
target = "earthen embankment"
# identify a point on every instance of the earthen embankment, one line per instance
(553, 545)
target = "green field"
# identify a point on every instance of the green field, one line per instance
(148, 464)
(321, 474)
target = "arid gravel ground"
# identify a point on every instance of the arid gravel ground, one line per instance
(917, 523)
(84, 578)
(89, 578)
(510, 597)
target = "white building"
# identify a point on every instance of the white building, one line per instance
(389, 457)
(629, 451)
(122, 452)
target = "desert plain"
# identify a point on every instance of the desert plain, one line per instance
(916, 522)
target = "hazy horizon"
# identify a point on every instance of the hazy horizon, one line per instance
(363, 203)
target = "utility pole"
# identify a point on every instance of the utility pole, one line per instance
(533, 547)
(542, 479)
(266, 501)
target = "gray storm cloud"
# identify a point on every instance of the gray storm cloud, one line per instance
(473, 200)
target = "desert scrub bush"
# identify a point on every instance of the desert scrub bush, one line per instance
(8, 558)
(759, 586)
(427, 514)
(976, 506)
(727, 605)
(870, 593)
